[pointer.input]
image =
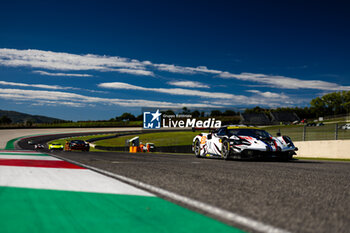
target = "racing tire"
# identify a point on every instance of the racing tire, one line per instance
(225, 151)
(197, 148)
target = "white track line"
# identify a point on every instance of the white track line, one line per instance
(221, 213)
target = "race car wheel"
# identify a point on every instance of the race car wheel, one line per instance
(197, 148)
(225, 151)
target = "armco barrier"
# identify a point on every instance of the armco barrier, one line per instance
(335, 149)
(175, 149)
(116, 148)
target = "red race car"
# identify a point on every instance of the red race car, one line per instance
(77, 145)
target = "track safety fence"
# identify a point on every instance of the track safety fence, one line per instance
(314, 132)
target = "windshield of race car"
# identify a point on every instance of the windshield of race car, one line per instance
(78, 142)
(256, 133)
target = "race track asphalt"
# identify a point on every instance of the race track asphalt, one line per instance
(298, 196)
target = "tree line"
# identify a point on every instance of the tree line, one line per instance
(335, 103)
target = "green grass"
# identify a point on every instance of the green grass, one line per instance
(159, 139)
(326, 132)
(63, 140)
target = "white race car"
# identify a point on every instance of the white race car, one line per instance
(242, 142)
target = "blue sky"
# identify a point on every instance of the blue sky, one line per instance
(97, 59)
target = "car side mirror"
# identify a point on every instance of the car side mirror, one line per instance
(209, 136)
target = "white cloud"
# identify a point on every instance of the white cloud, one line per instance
(268, 94)
(191, 84)
(65, 61)
(218, 99)
(184, 70)
(173, 91)
(55, 98)
(72, 62)
(61, 74)
(285, 82)
(40, 97)
(257, 101)
(56, 103)
(173, 69)
(134, 72)
(43, 86)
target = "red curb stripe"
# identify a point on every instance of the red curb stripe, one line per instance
(38, 163)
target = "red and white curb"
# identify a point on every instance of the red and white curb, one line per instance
(17, 169)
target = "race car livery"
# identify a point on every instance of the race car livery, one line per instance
(241, 142)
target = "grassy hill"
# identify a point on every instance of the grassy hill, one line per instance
(18, 117)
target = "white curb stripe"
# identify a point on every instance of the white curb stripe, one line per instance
(221, 213)
(29, 157)
(81, 180)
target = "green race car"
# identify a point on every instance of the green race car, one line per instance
(55, 146)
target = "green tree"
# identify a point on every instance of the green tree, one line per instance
(229, 113)
(126, 117)
(168, 112)
(346, 101)
(215, 113)
(5, 120)
(29, 122)
(139, 117)
(256, 109)
(195, 114)
(330, 104)
(186, 111)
